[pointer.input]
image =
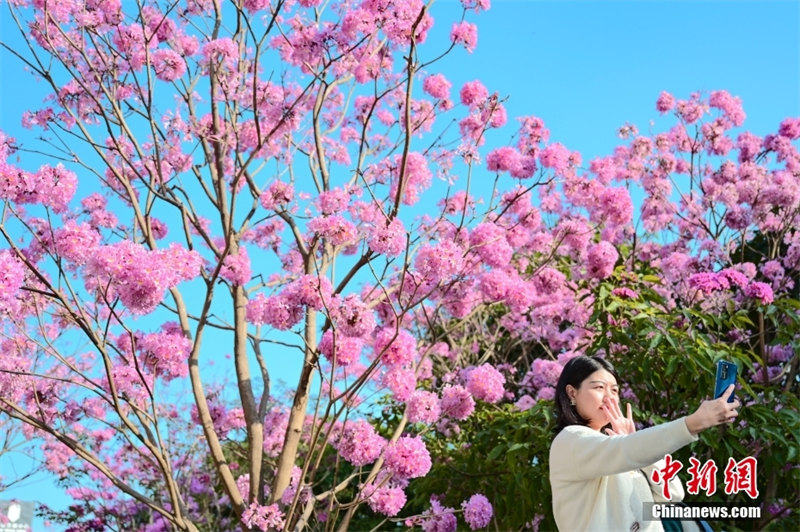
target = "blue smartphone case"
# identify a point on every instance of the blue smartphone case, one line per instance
(726, 375)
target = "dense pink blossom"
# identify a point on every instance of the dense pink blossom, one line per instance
(352, 316)
(477, 511)
(388, 239)
(167, 352)
(223, 51)
(168, 64)
(346, 349)
(395, 347)
(335, 228)
(440, 261)
(466, 34)
(439, 518)
(359, 444)
(408, 457)
(665, 102)
(489, 241)
(555, 156)
(416, 177)
(310, 290)
(236, 267)
(263, 517)
(423, 407)
(790, 128)
(437, 86)
(601, 259)
(277, 194)
(708, 282)
(280, 311)
(486, 383)
(761, 291)
(332, 201)
(386, 500)
(76, 242)
(473, 93)
(543, 373)
(503, 159)
(12, 277)
(401, 381)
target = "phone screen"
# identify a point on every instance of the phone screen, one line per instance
(726, 375)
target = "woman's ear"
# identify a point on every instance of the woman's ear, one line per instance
(571, 391)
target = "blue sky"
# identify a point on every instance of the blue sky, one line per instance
(585, 67)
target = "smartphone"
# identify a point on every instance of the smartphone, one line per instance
(726, 375)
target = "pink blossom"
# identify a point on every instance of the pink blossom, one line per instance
(790, 128)
(543, 373)
(477, 511)
(346, 349)
(236, 267)
(277, 195)
(473, 93)
(263, 517)
(332, 201)
(359, 444)
(690, 111)
(623, 292)
(601, 259)
(401, 381)
(408, 457)
(761, 291)
(489, 241)
(281, 312)
(437, 86)
(466, 34)
(548, 393)
(76, 242)
(524, 403)
(168, 64)
(440, 261)
(352, 316)
(167, 352)
(12, 277)
(395, 347)
(555, 156)
(439, 518)
(337, 230)
(708, 282)
(423, 407)
(503, 159)
(388, 239)
(386, 500)
(417, 177)
(486, 383)
(731, 107)
(222, 51)
(310, 290)
(665, 102)
(477, 5)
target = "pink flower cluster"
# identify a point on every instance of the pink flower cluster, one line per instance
(359, 444)
(335, 228)
(486, 383)
(263, 517)
(388, 239)
(12, 277)
(477, 511)
(439, 261)
(236, 267)
(167, 352)
(489, 241)
(50, 186)
(415, 179)
(466, 34)
(345, 349)
(395, 347)
(601, 259)
(139, 276)
(423, 407)
(277, 195)
(386, 500)
(457, 402)
(408, 457)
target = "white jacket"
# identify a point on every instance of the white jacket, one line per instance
(596, 479)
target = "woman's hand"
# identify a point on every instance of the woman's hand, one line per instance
(713, 413)
(620, 425)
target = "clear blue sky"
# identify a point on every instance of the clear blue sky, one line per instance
(585, 67)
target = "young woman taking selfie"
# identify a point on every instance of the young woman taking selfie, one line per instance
(600, 464)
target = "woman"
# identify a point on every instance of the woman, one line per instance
(600, 464)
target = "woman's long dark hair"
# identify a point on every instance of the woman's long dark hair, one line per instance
(575, 372)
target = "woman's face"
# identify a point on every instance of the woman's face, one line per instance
(597, 389)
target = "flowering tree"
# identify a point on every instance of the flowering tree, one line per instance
(190, 141)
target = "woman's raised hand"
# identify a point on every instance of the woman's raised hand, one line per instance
(620, 425)
(713, 413)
